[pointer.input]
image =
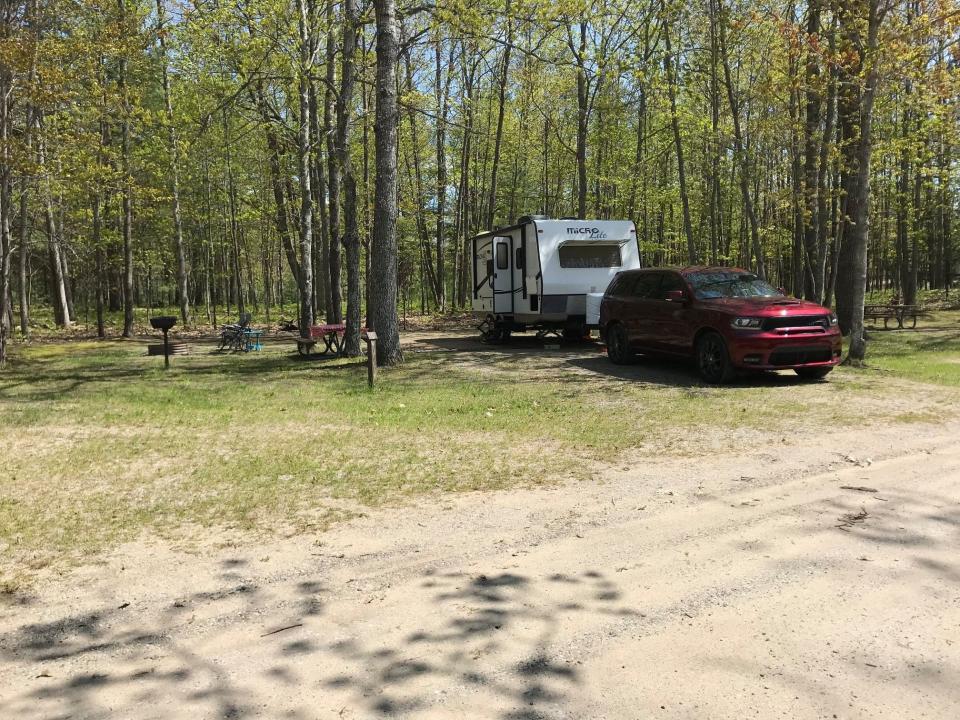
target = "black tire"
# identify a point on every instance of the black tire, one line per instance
(488, 329)
(817, 373)
(617, 348)
(713, 360)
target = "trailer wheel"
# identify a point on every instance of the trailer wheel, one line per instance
(617, 349)
(488, 329)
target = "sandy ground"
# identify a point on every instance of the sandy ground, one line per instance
(743, 584)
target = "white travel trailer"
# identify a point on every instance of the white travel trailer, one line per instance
(539, 273)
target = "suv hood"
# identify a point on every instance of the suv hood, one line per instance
(765, 306)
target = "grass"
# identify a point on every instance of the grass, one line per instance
(99, 444)
(930, 353)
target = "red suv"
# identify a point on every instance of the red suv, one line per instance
(727, 318)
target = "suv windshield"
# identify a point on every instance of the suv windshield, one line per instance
(729, 284)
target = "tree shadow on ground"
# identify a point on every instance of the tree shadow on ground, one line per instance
(481, 641)
(674, 372)
(516, 345)
(118, 662)
(47, 380)
(493, 643)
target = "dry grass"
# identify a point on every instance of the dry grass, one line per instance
(100, 445)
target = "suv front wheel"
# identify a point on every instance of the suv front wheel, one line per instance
(713, 360)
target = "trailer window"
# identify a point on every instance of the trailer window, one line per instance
(503, 257)
(594, 255)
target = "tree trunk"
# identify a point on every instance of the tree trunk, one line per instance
(321, 221)
(383, 265)
(303, 170)
(6, 205)
(351, 236)
(61, 307)
(128, 299)
(824, 213)
(668, 66)
(335, 310)
(716, 221)
(182, 297)
(583, 123)
(281, 217)
(443, 102)
(739, 150)
(856, 110)
(813, 280)
(234, 228)
(501, 109)
(97, 240)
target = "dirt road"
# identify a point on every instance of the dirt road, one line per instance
(749, 586)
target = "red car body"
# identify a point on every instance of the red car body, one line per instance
(696, 311)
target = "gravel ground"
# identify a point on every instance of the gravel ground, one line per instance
(747, 584)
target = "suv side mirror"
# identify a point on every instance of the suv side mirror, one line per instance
(675, 296)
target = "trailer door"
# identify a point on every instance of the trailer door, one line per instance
(483, 275)
(503, 286)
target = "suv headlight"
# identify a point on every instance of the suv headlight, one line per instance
(833, 319)
(743, 323)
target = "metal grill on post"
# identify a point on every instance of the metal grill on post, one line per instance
(164, 323)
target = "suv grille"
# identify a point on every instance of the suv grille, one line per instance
(800, 355)
(774, 323)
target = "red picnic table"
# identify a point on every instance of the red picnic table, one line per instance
(331, 334)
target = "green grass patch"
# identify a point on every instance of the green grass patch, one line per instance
(929, 353)
(100, 444)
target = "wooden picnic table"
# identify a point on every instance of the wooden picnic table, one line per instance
(330, 334)
(894, 311)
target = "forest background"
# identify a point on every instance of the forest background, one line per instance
(335, 158)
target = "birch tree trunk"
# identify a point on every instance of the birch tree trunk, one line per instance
(182, 297)
(303, 169)
(127, 188)
(442, 89)
(351, 236)
(669, 68)
(739, 150)
(6, 204)
(61, 307)
(335, 309)
(813, 278)
(276, 183)
(383, 265)
(583, 121)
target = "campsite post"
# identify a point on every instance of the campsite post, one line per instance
(371, 337)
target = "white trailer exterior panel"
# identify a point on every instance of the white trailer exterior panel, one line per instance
(538, 273)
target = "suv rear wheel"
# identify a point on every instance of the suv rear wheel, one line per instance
(617, 349)
(713, 359)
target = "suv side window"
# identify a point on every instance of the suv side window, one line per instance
(646, 286)
(669, 281)
(617, 285)
(623, 284)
